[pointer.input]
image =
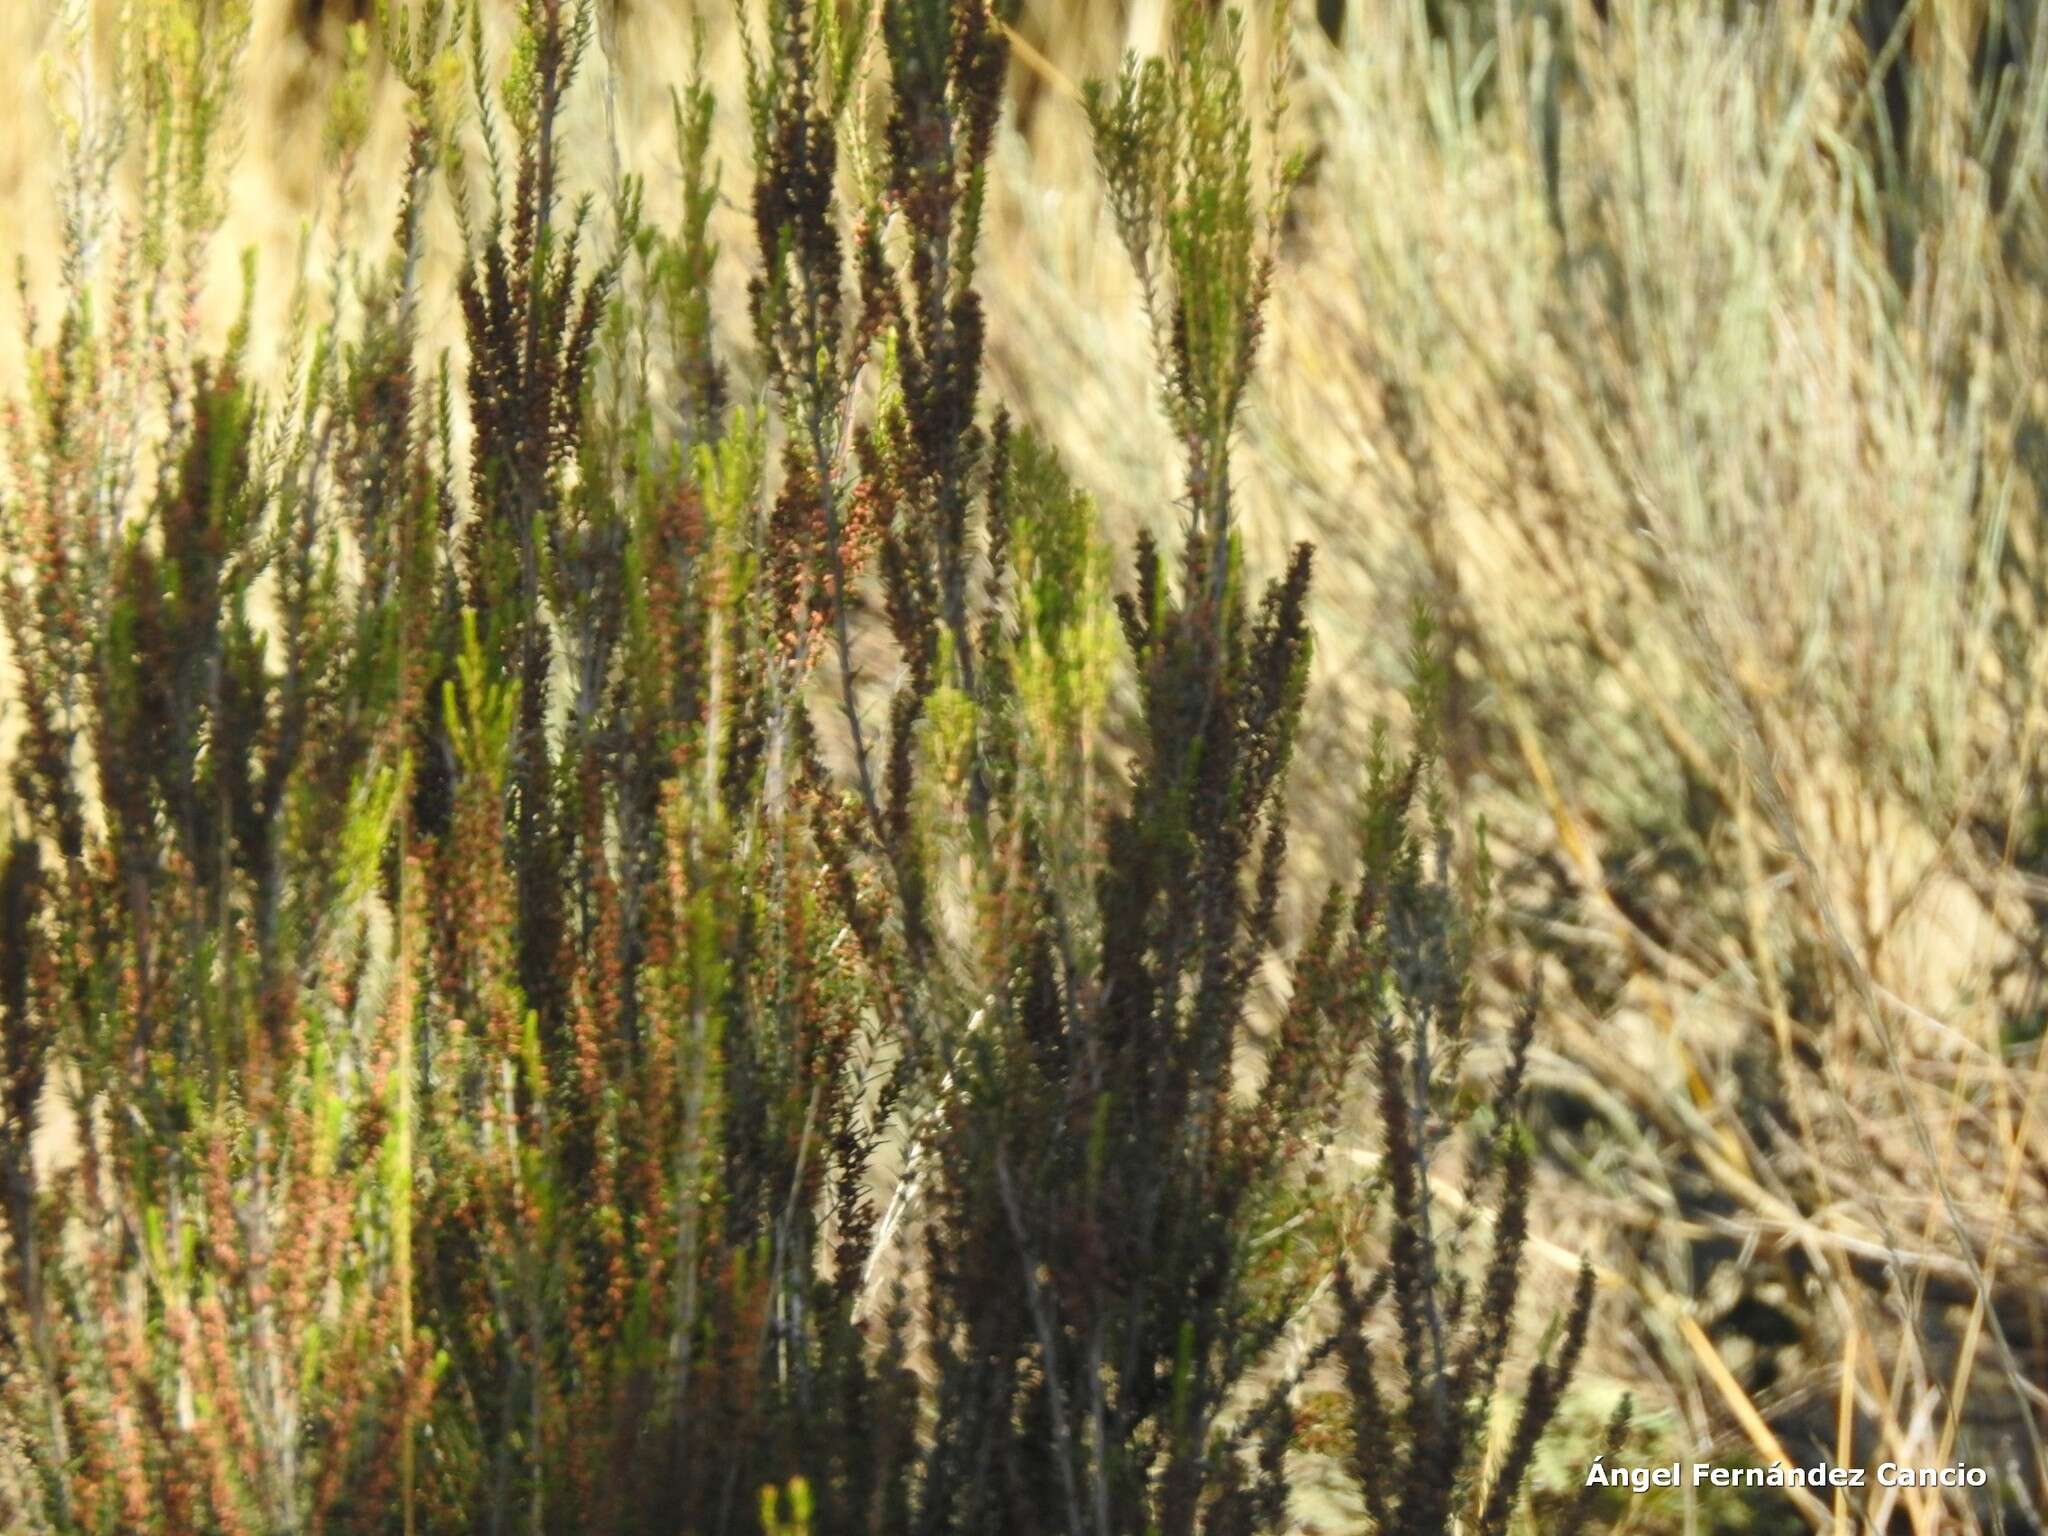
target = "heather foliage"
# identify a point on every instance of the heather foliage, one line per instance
(532, 1052)
(1407, 932)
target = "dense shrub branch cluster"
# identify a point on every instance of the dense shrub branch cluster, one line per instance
(531, 1054)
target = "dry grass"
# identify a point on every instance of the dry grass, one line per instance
(1739, 536)
(1736, 519)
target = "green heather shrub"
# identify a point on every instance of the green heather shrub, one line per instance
(515, 1020)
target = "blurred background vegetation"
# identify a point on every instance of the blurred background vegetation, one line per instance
(1686, 356)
